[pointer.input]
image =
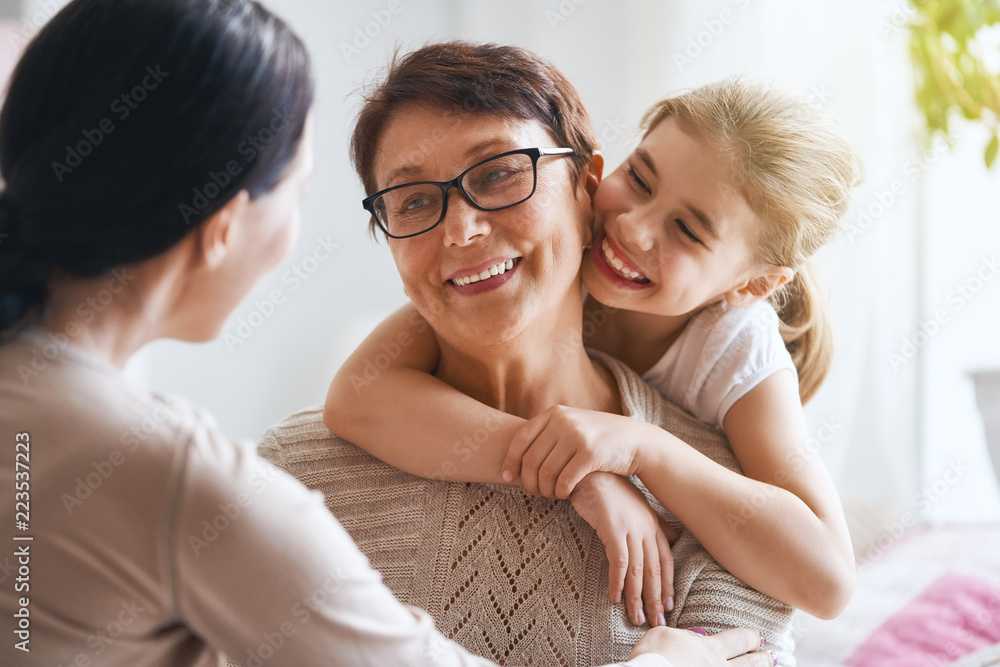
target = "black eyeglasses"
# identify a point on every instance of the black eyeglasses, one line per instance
(496, 183)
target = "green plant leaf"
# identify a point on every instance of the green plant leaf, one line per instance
(991, 151)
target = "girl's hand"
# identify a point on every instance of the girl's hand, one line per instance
(636, 541)
(556, 449)
(739, 647)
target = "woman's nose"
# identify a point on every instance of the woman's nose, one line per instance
(463, 223)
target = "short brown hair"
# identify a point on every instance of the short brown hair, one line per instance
(474, 78)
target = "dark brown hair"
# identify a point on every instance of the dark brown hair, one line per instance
(96, 176)
(462, 77)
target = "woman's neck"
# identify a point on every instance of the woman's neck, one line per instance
(113, 316)
(541, 367)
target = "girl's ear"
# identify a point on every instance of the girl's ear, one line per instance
(759, 287)
(216, 235)
(594, 173)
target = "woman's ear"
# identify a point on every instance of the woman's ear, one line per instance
(760, 286)
(216, 235)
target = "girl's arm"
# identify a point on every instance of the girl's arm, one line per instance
(385, 400)
(780, 528)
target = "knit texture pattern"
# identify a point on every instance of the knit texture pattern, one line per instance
(517, 579)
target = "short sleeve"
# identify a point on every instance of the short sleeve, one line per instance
(741, 351)
(721, 355)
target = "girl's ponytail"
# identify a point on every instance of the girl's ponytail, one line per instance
(805, 317)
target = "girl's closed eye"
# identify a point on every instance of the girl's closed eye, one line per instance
(687, 231)
(638, 180)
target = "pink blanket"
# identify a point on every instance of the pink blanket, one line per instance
(954, 616)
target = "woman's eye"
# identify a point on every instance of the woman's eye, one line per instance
(687, 231)
(638, 180)
(495, 176)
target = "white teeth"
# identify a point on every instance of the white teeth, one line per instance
(485, 274)
(618, 263)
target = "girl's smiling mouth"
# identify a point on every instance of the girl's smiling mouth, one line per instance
(617, 264)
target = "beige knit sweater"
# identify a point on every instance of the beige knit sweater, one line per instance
(517, 579)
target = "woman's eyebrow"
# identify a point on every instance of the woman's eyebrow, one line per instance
(482, 149)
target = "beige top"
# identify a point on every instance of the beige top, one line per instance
(158, 541)
(509, 576)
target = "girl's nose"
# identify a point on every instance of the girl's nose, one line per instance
(636, 230)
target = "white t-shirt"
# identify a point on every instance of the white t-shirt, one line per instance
(721, 354)
(158, 541)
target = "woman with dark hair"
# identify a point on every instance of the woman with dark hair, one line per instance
(155, 152)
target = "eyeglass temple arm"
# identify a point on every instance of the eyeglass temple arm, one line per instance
(554, 151)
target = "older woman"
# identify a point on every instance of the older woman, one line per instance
(511, 577)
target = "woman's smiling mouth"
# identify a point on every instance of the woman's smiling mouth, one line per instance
(479, 280)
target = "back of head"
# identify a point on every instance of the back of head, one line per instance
(796, 169)
(462, 77)
(129, 122)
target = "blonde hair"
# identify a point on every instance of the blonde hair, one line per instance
(796, 169)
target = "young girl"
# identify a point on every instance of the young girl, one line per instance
(700, 259)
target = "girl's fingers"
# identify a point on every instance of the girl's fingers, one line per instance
(633, 581)
(651, 583)
(531, 462)
(551, 468)
(571, 475)
(666, 572)
(519, 444)
(617, 569)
